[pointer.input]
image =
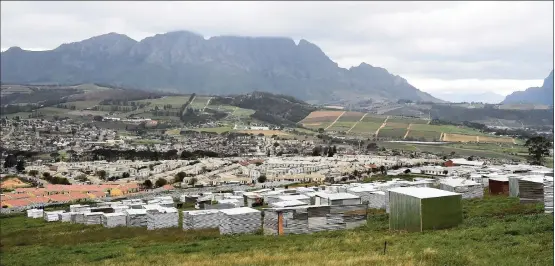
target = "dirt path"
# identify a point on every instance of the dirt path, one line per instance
(335, 120)
(408, 130)
(207, 103)
(382, 126)
(356, 123)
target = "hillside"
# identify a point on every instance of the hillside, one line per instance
(495, 231)
(188, 63)
(271, 108)
(534, 95)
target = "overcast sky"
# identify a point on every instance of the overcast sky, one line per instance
(436, 46)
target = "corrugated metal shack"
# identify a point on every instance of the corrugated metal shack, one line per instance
(377, 200)
(416, 209)
(498, 185)
(136, 217)
(240, 220)
(468, 188)
(205, 219)
(309, 219)
(531, 189)
(513, 186)
(252, 199)
(548, 193)
(323, 198)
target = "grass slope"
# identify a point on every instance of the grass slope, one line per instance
(495, 231)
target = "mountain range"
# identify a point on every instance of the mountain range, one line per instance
(534, 95)
(485, 97)
(186, 62)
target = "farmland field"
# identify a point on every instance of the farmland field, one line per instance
(341, 126)
(395, 125)
(472, 138)
(426, 135)
(321, 116)
(351, 117)
(265, 132)
(460, 149)
(394, 133)
(374, 118)
(365, 128)
(218, 130)
(495, 231)
(317, 125)
(406, 120)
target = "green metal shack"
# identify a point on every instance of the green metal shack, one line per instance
(416, 209)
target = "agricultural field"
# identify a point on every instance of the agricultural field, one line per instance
(265, 132)
(218, 130)
(321, 116)
(424, 135)
(495, 231)
(401, 120)
(351, 117)
(473, 138)
(175, 101)
(341, 126)
(459, 149)
(392, 133)
(372, 118)
(317, 125)
(199, 102)
(365, 128)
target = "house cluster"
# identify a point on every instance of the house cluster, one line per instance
(39, 197)
(137, 170)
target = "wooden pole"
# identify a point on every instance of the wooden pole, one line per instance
(384, 247)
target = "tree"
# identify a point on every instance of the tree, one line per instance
(10, 161)
(33, 173)
(407, 171)
(372, 146)
(179, 177)
(316, 151)
(46, 175)
(538, 149)
(102, 174)
(148, 184)
(383, 170)
(161, 182)
(20, 167)
(445, 172)
(193, 181)
(262, 179)
(125, 175)
(276, 144)
(320, 130)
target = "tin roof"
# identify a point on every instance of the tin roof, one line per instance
(423, 192)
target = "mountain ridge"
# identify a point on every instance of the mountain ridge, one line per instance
(185, 61)
(534, 95)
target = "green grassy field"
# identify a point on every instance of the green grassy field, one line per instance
(395, 133)
(374, 118)
(495, 231)
(341, 126)
(426, 135)
(218, 130)
(460, 150)
(366, 128)
(447, 129)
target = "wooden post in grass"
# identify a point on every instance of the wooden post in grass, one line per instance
(384, 247)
